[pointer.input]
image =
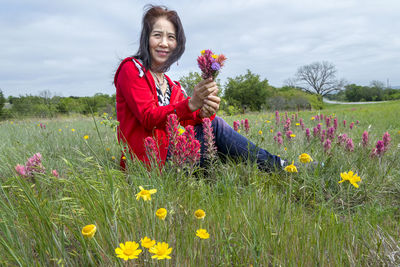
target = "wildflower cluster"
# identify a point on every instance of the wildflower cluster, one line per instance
(108, 121)
(32, 166)
(210, 63)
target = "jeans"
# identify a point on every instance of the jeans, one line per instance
(234, 145)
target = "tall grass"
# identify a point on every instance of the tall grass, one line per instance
(277, 219)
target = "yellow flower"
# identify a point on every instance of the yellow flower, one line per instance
(124, 158)
(73, 130)
(351, 177)
(147, 242)
(105, 114)
(108, 149)
(285, 148)
(260, 132)
(110, 118)
(238, 130)
(312, 118)
(161, 251)
(38, 125)
(202, 52)
(161, 213)
(145, 194)
(11, 122)
(59, 130)
(305, 158)
(272, 130)
(128, 251)
(214, 56)
(291, 168)
(297, 124)
(200, 214)
(113, 158)
(89, 230)
(202, 233)
(292, 135)
(268, 121)
(86, 137)
(181, 131)
(398, 132)
(101, 122)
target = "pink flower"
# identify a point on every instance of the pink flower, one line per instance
(209, 140)
(365, 139)
(34, 165)
(236, 125)
(335, 125)
(277, 118)
(357, 122)
(55, 173)
(327, 145)
(150, 146)
(350, 145)
(246, 125)
(288, 133)
(308, 134)
(328, 122)
(342, 138)
(21, 170)
(280, 140)
(315, 132)
(287, 125)
(210, 64)
(279, 134)
(379, 149)
(386, 140)
(331, 133)
(351, 125)
(344, 123)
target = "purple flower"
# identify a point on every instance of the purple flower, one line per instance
(350, 145)
(209, 140)
(236, 125)
(215, 66)
(386, 140)
(308, 134)
(327, 145)
(335, 125)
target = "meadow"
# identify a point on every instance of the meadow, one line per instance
(304, 218)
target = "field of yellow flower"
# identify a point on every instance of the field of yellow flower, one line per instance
(65, 202)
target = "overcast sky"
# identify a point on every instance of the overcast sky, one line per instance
(73, 47)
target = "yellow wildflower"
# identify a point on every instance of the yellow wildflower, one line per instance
(181, 131)
(291, 168)
(113, 158)
(145, 194)
(202, 52)
(147, 242)
(292, 135)
(161, 213)
(110, 118)
(398, 132)
(202, 233)
(108, 149)
(128, 251)
(268, 121)
(11, 122)
(351, 177)
(297, 124)
(101, 122)
(72, 130)
(260, 132)
(59, 130)
(89, 230)
(312, 118)
(161, 251)
(305, 158)
(123, 157)
(285, 148)
(105, 114)
(272, 130)
(238, 130)
(200, 214)
(86, 137)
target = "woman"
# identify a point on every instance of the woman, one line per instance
(146, 96)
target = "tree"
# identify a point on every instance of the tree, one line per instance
(189, 82)
(2, 102)
(319, 77)
(247, 91)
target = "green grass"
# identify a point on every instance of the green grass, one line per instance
(277, 219)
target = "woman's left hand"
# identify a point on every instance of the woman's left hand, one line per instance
(210, 106)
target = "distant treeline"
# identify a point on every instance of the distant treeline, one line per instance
(375, 92)
(46, 106)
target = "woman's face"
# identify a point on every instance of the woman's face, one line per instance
(162, 41)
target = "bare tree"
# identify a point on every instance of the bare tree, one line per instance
(319, 77)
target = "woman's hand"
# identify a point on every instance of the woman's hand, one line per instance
(201, 91)
(210, 107)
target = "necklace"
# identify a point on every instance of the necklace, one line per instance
(160, 84)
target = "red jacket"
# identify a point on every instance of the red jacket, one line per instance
(139, 113)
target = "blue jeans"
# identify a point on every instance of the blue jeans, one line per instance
(234, 145)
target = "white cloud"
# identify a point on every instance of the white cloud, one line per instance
(73, 48)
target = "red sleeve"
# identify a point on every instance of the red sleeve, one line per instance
(141, 101)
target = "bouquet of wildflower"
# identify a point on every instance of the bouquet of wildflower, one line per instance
(210, 63)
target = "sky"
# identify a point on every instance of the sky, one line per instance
(74, 47)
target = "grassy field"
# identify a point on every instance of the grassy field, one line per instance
(253, 218)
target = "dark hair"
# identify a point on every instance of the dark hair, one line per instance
(152, 13)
